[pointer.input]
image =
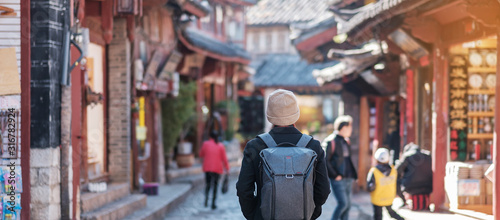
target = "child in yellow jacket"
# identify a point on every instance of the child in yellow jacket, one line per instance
(382, 185)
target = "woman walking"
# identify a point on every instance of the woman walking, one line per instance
(215, 161)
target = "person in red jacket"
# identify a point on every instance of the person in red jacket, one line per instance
(215, 161)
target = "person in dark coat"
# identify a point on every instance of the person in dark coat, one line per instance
(282, 112)
(341, 170)
(415, 170)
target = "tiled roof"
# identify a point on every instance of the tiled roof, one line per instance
(313, 28)
(205, 42)
(384, 9)
(284, 70)
(286, 12)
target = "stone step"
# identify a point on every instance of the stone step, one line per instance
(169, 197)
(93, 201)
(117, 209)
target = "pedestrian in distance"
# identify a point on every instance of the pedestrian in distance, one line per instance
(215, 162)
(382, 184)
(415, 170)
(341, 170)
(284, 166)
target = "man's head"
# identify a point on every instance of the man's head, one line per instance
(343, 125)
(282, 108)
(382, 155)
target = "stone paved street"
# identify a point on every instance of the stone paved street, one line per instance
(228, 208)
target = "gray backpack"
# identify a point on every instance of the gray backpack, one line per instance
(287, 174)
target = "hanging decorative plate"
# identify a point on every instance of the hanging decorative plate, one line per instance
(491, 81)
(491, 103)
(475, 59)
(475, 81)
(491, 59)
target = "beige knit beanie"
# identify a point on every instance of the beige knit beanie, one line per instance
(282, 108)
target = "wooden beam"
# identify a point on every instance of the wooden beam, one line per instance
(364, 142)
(439, 126)
(107, 20)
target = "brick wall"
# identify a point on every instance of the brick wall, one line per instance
(119, 103)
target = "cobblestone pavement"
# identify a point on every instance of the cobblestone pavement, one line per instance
(228, 208)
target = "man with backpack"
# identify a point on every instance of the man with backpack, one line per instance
(341, 170)
(285, 167)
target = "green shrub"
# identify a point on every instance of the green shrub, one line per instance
(178, 114)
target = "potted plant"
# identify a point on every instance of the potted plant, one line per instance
(177, 113)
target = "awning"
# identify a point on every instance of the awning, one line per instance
(203, 44)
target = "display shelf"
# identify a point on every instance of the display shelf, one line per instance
(482, 69)
(480, 136)
(481, 114)
(481, 92)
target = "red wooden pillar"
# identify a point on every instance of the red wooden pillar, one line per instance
(496, 157)
(439, 126)
(410, 121)
(77, 81)
(25, 105)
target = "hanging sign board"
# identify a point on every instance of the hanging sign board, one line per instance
(10, 83)
(162, 86)
(171, 65)
(150, 75)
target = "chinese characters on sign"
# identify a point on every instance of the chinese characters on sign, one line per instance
(458, 108)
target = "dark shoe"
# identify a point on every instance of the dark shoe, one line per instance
(214, 206)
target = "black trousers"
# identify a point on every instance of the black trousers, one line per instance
(377, 212)
(212, 181)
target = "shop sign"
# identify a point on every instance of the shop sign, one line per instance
(469, 187)
(458, 108)
(154, 63)
(171, 65)
(162, 86)
(408, 44)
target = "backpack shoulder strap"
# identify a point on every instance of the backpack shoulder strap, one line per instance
(304, 140)
(268, 140)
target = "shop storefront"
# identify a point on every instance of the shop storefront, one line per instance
(472, 80)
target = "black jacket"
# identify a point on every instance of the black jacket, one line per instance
(335, 163)
(249, 174)
(384, 168)
(416, 171)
